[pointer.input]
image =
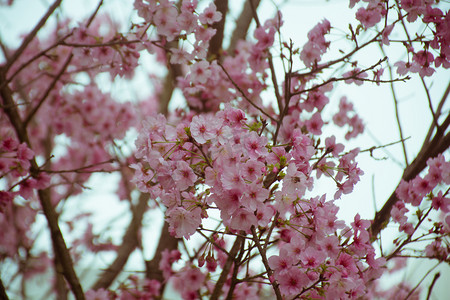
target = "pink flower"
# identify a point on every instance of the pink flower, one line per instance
(407, 228)
(8, 144)
(252, 169)
(100, 294)
(354, 75)
(281, 263)
(168, 258)
(402, 67)
(210, 15)
(187, 21)
(369, 16)
(255, 194)
(332, 147)
(24, 154)
(435, 250)
(201, 129)
(310, 54)
(183, 175)
(398, 213)
(189, 280)
(441, 202)
(265, 39)
(292, 281)
(294, 181)
(264, 215)
(347, 262)
(312, 258)
(243, 219)
(314, 124)
(200, 72)
(182, 222)
(255, 145)
(385, 34)
(421, 186)
(231, 179)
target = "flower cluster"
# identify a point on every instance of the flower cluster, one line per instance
(316, 46)
(425, 195)
(216, 162)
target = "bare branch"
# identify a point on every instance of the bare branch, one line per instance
(437, 145)
(215, 44)
(394, 98)
(3, 294)
(242, 24)
(48, 91)
(262, 251)
(31, 35)
(244, 95)
(59, 245)
(166, 241)
(129, 242)
(226, 268)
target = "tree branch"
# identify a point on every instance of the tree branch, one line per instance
(31, 35)
(130, 241)
(242, 24)
(166, 241)
(226, 268)
(215, 44)
(3, 294)
(394, 98)
(262, 251)
(437, 145)
(59, 245)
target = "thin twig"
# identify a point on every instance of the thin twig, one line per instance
(226, 268)
(420, 282)
(31, 35)
(48, 91)
(394, 98)
(262, 251)
(244, 95)
(436, 277)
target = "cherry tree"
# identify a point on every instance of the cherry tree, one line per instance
(250, 169)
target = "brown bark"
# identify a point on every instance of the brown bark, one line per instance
(242, 24)
(215, 44)
(226, 268)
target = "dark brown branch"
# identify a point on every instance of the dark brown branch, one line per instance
(129, 242)
(436, 277)
(215, 44)
(436, 146)
(59, 245)
(262, 251)
(242, 24)
(174, 70)
(166, 241)
(226, 268)
(32, 34)
(234, 280)
(438, 113)
(47, 92)
(397, 115)
(341, 59)
(3, 294)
